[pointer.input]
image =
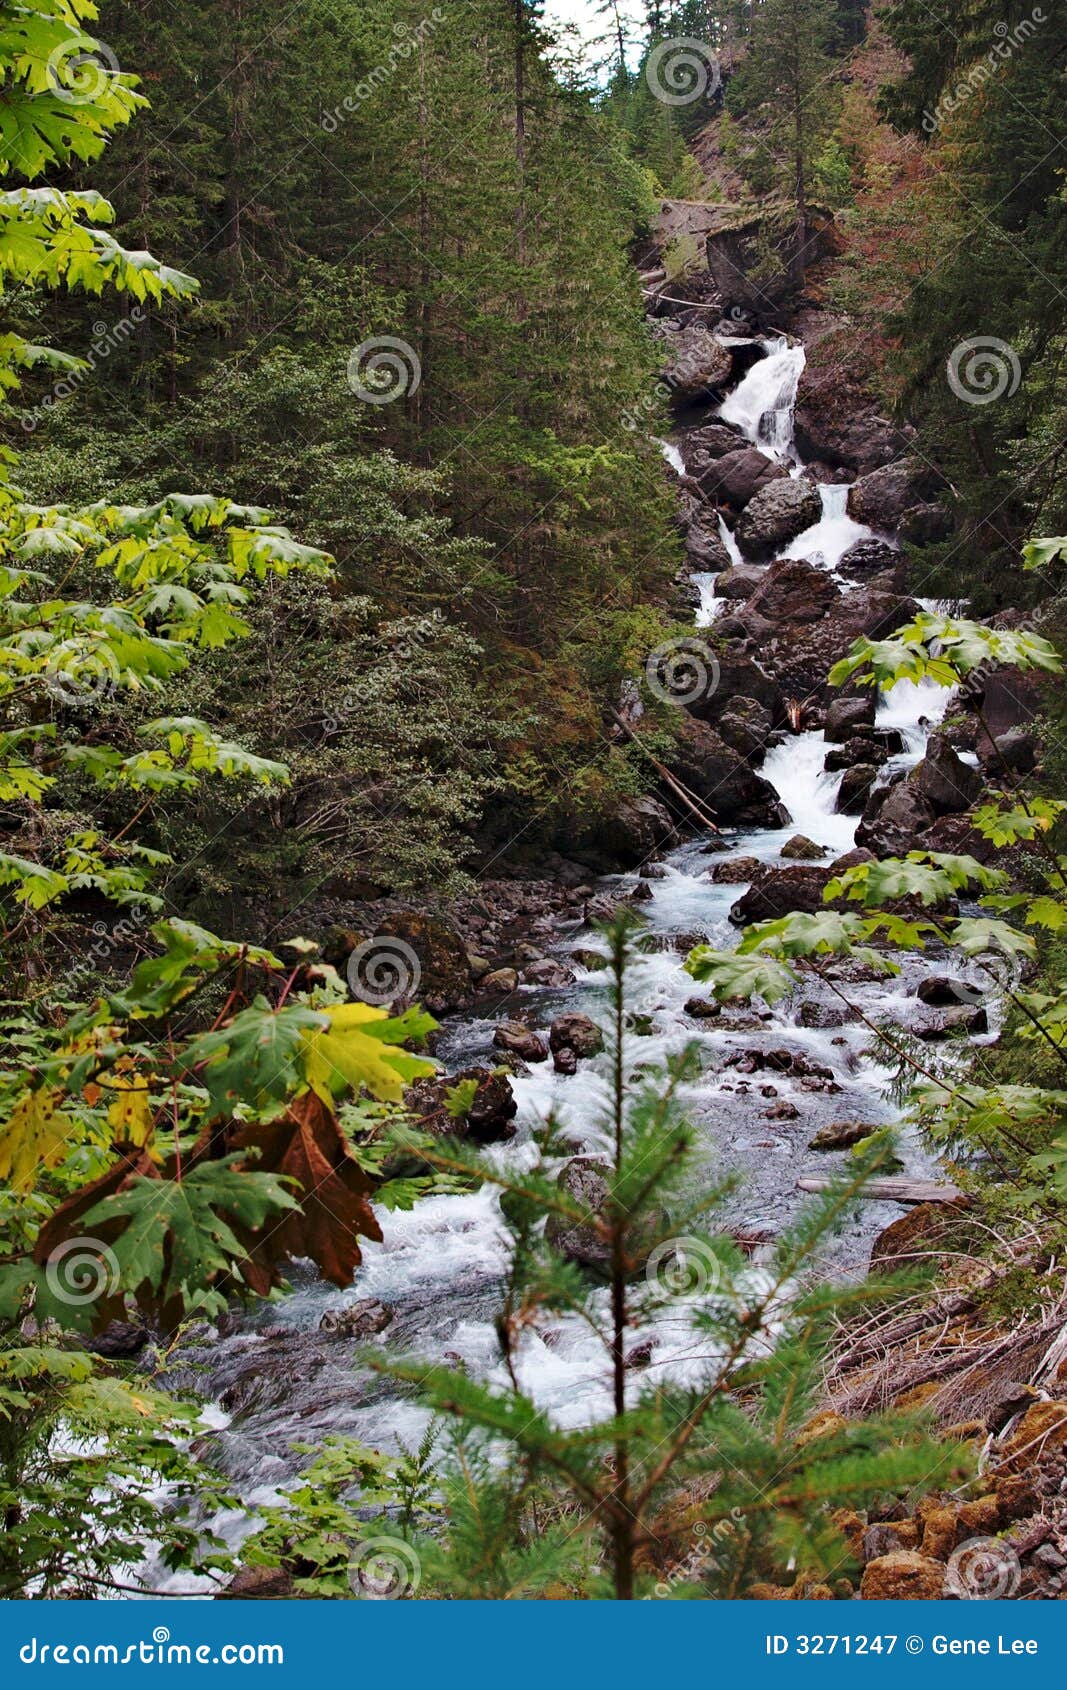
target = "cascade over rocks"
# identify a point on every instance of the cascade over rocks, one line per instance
(747, 727)
(776, 515)
(846, 715)
(866, 558)
(893, 819)
(737, 676)
(793, 590)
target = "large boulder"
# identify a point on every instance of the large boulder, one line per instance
(746, 726)
(740, 581)
(846, 716)
(924, 524)
(705, 549)
(866, 558)
(777, 514)
(1016, 750)
(700, 446)
(715, 773)
(894, 820)
(881, 498)
(410, 956)
(947, 783)
(793, 590)
(737, 477)
(733, 676)
(636, 829)
(575, 1032)
(584, 1181)
(784, 890)
(855, 789)
(752, 257)
(488, 1117)
(698, 365)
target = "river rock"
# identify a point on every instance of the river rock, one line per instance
(946, 783)
(428, 962)
(1018, 750)
(519, 1040)
(737, 871)
(739, 476)
(800, 849)
(859, 749)
(637, 828)
(739, 582)
(547, 971)
(565, 1061)
(697, 366)
(881, 498)
(575, 1032)
(502, 980)
(703, 1009)
(364, 1319)
(868, 557)
(706, 550)
(841, 1135)
(793, 590)
(746, 726)
(489, 1117)
(845, 715)
(719, 778)
(894, 820)
(903, 1576)
(781, 892)
(584, 1179)
(776, 515)
(701, 446)
(734, 676)
(855, 789)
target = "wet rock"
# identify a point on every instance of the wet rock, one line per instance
(705, 550)
(861, 748)
(851, 859)
(584, 1180)
(638, 827)
(841, 1135)
(593, 960)
(902, 1576)
(699, 446)
(575, 1032)
(738, 871)
(846, 716)
(781, 892)
(1018, 750)
(715, 773)
(946, 783)
(120, 1338)
(519, 1040)
(824, 1016)
(698, 365)
(261, 1584)
(881, 498)
(868, 557)
(735, 676)
(783, 1111)
(738, 477)
(739, 582)
(793, 590)
(940, 991)
(642, 893)
(703, 1009)
(504, 980)
(429, 961)
(652, 871)
(565, 1061)
(488, 1118)
(363, 1319)
(855, 789)
(546, 971)
(894, 820)
(776, 515)
(801, 849)
(919, 1233)
(746, 727)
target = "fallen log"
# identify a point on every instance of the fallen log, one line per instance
(891, 1190)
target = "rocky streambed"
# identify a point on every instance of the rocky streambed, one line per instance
(788, 563)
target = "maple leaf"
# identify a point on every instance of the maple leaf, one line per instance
(308, 1147)
(34, 1136)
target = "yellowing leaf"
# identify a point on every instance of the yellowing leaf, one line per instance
(344, 1056)
(130, 1113)
(33, 1137)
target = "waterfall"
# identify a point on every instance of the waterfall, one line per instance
(830, 538)
(761, 406)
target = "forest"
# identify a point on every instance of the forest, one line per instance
(533, 800)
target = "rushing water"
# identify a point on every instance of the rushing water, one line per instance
(278, 1381)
